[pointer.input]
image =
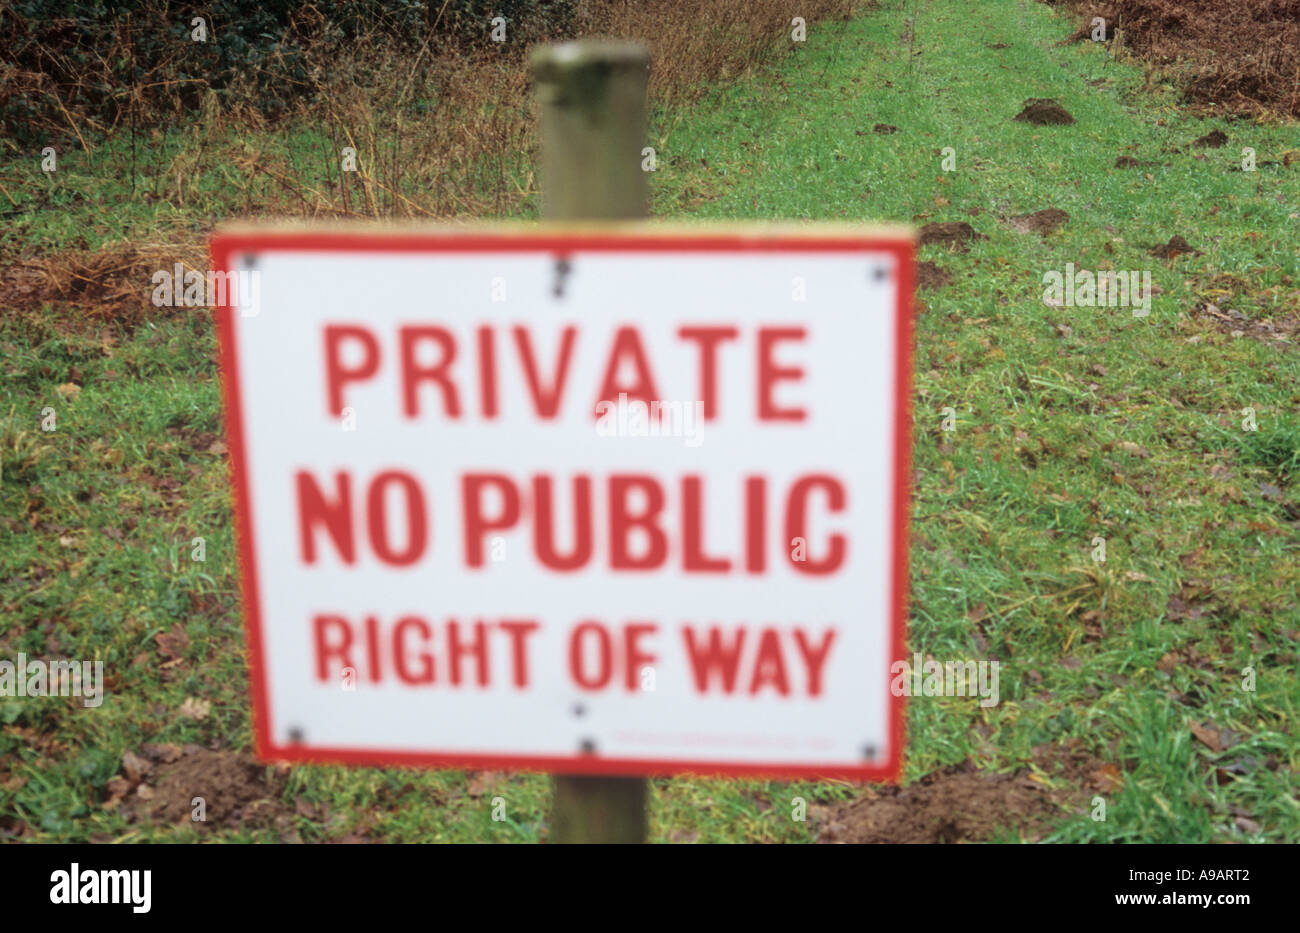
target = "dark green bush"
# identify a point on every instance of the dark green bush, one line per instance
(63, 60)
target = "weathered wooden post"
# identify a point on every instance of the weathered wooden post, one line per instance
(593, 114)
(593, 103)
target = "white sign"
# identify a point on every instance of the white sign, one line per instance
(621, 501)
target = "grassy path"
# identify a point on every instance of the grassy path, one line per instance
(1121, 678)
(1071, 423)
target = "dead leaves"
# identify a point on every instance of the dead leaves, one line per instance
(165, 753)
(136, 772)
(1219, 740)
(172, 644)
(1207, 735)
(195, 708)
(117, 789)
(135, 768)
(1190, 603)
(1106, 779)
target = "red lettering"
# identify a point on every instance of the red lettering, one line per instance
(627, 346)
(335, 373)
(577, 665)
(336, 516)
(814, 658)
(547, 402)
(372, 649)
(413, 372)
(476, 524)
(692, 520)
(622, 522)
(755, 524)
(636, 659)
(544, 524)
(708, 339)
(487, 372)
(337, 645)
(403, 652)
(456, 650)
(769, 373)
(796, 521)
(426, 670)
(717, 658)
(519, 630)
(769, 665)
(416, 522)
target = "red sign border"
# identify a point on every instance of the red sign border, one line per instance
(225, 246)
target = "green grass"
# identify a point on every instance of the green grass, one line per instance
(1071, 424)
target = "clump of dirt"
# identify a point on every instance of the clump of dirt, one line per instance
(1130, 162)
(930, 277)
(956, 234)
(1044, 111)
(957, 804)
(999, 45)
(1041, 222)
(884, 129)
(1212, 140)
(160, 786)
(1176, 246)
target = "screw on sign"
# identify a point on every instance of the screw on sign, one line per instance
(653, 523)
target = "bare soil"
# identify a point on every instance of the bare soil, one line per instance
(1041, 222)
(1044, 111)
(1176, 246)
(955, 234)
(930, 276)
(957, 804)
(161, 786)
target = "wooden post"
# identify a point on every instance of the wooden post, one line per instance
(593, 107)
(592, 95)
